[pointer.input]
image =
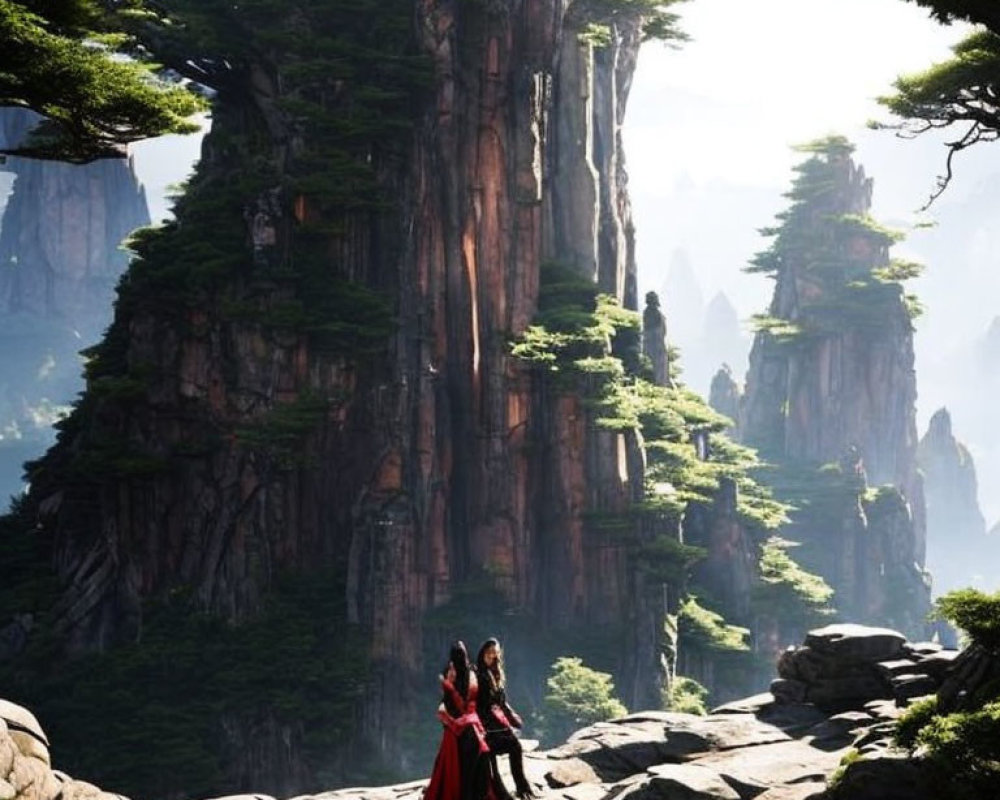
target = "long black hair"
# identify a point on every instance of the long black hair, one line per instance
(458, 657)
(493, 674)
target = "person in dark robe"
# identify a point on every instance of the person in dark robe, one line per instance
(462, 767)
(499, 720)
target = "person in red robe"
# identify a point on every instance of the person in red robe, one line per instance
(462, 767)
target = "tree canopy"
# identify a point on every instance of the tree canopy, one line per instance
(962, 91)
(65, 60)
(980, 12)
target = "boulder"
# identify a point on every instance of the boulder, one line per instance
(570, 772)
(689, 782)
(883, 778)
(852, 691)
(850, 642)
(25, 731)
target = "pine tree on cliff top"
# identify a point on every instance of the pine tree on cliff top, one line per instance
(828, 240)
(59, 59)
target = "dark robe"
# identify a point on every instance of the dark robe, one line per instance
(499, 720)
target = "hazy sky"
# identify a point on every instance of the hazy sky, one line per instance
(756, 78)
(707, 138)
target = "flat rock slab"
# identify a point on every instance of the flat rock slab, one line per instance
(685, 782)
(583, 791)
(798, 791)
(629, 746)
(839, 729)
(754, 770)
(747, 705)
(851, 642)
(938, 663)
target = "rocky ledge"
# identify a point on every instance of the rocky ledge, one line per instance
(838, 694)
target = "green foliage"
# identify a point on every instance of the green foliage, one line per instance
(909, 725)
(686, 696)
(898, 270)
(280, 434)
(778, 329)
(703, 629)
(577, 696)
(838, 259)
(92, 102)
(852, 756)
(28, 585)
(786, 590)
(963, 748)
(960, 91)
(982, 12)
(164, 699)
(595, 34)
(657, 20)
(865, 225)
(974, 612)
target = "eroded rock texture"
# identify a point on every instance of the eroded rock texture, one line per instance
(831, 391)
(232, 445)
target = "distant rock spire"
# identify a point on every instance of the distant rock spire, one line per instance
(957, 544)
(724, 395)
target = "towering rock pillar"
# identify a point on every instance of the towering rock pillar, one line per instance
(831, 373)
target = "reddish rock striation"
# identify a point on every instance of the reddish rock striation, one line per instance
(422, 467)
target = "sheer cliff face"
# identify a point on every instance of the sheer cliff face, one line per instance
(831, 381)
(518, 162)
(428, 463)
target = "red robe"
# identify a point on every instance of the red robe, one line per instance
(446, 779)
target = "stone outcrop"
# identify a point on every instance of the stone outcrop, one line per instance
(765, 747)
(957, 545)
(60, 258)
(831, 392)
(845, 666)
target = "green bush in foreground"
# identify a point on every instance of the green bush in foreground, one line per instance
(962, 748)
(577, 696)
